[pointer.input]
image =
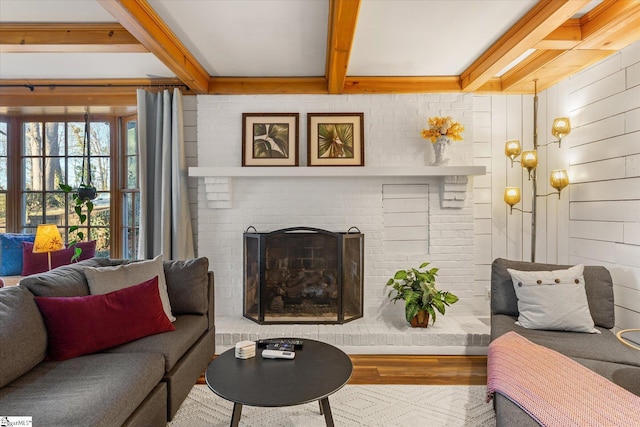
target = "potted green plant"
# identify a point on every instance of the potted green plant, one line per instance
(417, 287)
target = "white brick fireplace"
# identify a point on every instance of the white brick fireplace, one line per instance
(227, 206)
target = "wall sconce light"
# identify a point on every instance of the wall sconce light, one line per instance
(529, 160)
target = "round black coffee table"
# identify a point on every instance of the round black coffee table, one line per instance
(317, 371)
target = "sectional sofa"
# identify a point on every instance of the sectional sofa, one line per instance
(138, 383)
(600, 352)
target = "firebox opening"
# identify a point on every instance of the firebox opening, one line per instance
(303, 275)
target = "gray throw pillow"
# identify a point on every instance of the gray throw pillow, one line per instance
(103, 280)
(187, 284)
(66, 281)
(23, 335)
(598, 285)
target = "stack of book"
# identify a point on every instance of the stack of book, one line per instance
(245, 349)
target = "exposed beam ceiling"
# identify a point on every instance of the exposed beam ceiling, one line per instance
(596, 35)
(67, 38)
(144, 24)
(343, 17)
(546, 16)
(559, 45)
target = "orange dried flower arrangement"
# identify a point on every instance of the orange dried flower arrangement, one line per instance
(443, 126)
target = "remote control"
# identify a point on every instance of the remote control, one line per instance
(278, 342)
(277, 354)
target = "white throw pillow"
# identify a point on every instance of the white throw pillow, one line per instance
(553, 300)
(103, 280)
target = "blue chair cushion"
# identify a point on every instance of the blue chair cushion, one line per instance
(11, 252)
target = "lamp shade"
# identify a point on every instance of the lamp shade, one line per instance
(559, 179)
(512, 195)
(529, 159)
(47, 239)
(561, 127)
(512, 149)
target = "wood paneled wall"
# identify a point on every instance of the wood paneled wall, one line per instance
(500, 233)
(604, 153)
(597, 220)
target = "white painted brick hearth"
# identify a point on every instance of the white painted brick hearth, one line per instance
(392, 138)
(449, 335)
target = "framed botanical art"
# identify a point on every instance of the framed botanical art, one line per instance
(335, 139)
(270, 139)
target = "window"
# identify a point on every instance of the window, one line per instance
(131, 190)
(54, 151)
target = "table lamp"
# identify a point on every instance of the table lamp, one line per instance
(47, 240)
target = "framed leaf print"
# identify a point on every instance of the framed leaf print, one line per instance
(270, 139)
(335, 139)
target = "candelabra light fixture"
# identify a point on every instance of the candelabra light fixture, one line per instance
(559, 178)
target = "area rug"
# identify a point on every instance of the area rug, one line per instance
(352, 406)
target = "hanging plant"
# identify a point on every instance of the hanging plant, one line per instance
(82, 198)
(79, 204)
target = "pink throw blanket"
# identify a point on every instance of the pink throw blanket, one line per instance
(555, 390)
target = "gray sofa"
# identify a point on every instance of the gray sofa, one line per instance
(602, 353)
(140, 383)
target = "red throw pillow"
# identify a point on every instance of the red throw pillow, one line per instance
(83, 325)
(38, 263)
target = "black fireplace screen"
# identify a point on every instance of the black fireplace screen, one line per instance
(303, 275)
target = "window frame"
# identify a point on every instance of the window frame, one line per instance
(15, 170)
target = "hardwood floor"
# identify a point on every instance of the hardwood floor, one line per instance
(404, 369)
(407, 369)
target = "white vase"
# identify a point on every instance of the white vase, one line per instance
(440, 148)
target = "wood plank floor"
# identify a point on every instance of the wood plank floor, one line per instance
(407, 369)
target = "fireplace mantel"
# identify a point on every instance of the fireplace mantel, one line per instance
(218, 180)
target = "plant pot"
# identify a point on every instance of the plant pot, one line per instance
(87, 192)
(420, 320)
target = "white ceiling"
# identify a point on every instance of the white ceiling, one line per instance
(274, 38)
(53, 11)
(428, 38)
(278, 38)
(81, 66)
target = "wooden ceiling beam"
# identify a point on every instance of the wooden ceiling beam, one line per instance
(69, 96)
(343, 18)
(435, 84)
(539, 22)
(42, 37)
(139, 18)
(526, 70)
(493, 85)
(74, 92)
(612, 25)
(567, 36)
(267, 85)
(568, 63)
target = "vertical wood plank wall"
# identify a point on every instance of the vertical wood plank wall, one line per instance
(597, 220)
(604, 153)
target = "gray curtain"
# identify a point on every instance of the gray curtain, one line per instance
(165, 220)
